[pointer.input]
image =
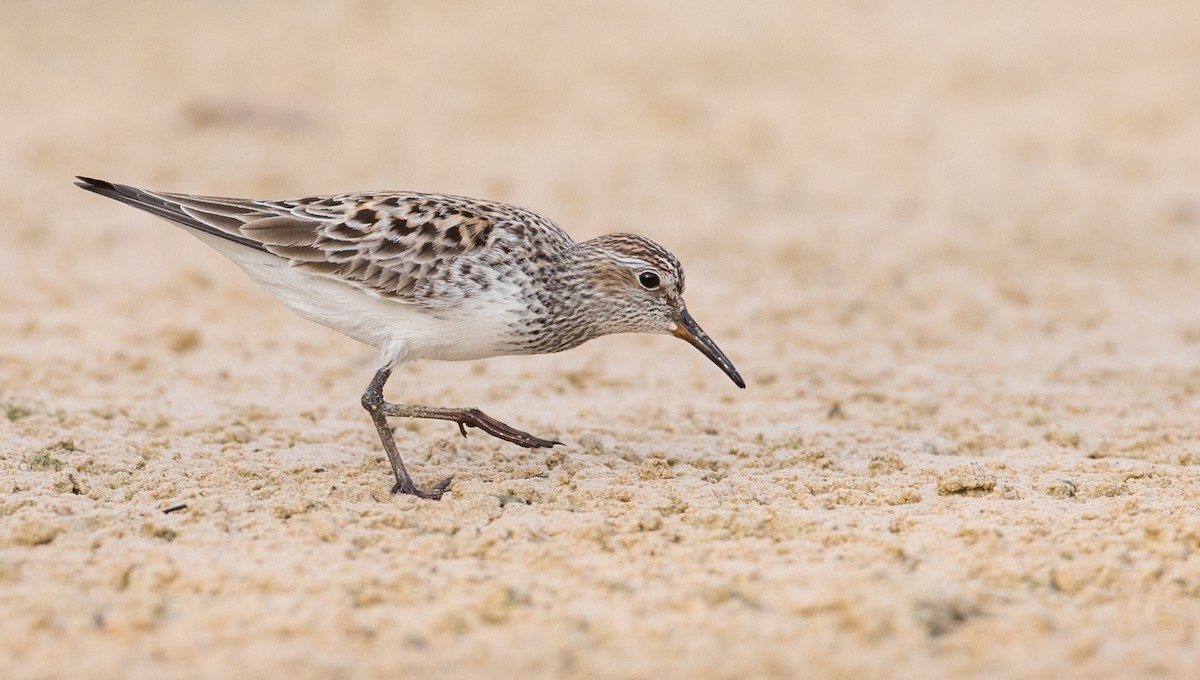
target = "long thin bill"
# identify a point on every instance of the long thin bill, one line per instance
(687, 328)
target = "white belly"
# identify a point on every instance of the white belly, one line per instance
(400, 331)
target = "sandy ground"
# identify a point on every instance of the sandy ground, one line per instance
(955, 252)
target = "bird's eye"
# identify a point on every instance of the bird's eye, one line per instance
(649, 280)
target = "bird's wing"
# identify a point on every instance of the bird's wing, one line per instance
(385, 243)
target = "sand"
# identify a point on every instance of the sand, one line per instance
(954, 248)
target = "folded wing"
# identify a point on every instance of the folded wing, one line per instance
(384, 243)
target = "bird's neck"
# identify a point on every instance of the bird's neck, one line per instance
(569, 306)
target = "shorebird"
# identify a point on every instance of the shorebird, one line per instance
(433, 276)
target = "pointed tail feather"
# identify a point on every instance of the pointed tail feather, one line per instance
(162, 207)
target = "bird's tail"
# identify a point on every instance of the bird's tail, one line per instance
(167, 207)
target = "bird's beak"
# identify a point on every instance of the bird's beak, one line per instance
(686, 327)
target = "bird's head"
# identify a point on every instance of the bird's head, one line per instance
(640, 286)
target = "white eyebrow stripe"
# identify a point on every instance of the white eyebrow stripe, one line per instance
(633, 261)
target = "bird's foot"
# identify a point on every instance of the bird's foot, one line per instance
(434, 493)
(473, 417)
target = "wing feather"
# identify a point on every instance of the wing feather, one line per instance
(385, 243)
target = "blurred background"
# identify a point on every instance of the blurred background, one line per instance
(946, 232)
(923, 175)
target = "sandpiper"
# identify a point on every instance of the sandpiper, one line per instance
(433, 276)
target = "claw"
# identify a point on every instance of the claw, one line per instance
(479, 419)
(434, 493)
(462, 428)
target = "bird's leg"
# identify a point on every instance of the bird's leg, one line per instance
(372, 400)
(380, 410)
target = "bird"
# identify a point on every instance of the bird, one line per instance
(437, 276)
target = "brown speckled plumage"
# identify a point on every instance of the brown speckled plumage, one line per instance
(438, 276)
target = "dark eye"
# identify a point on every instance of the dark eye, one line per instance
(649, 280)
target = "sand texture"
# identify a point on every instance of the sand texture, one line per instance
(954, 248)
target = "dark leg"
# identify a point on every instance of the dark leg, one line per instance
(380, 410)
